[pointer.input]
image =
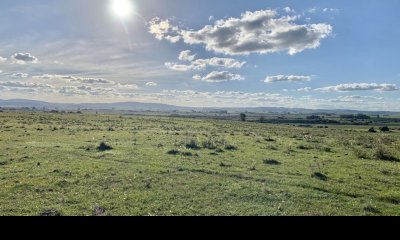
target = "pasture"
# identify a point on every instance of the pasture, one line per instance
(94, 164)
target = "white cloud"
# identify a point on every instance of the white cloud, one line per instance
(197, 77)
(215, 77)
(287, 78)
(24, 58)
(151, 84)
(19, 75)
(210, 18)
(358, 98)
(178, 67)
(187, 56)
(258, 32)
(2, 59)
(359, 87)
(200, 64)
(306, 89)
(289, 10)
(127, 86)
(312, 10)
(24, 85)
(218, 62)
(333, 10)
(162, 29)
(68, 78)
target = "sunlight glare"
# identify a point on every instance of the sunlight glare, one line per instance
(122, 8)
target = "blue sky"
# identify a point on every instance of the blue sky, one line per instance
(311, 54)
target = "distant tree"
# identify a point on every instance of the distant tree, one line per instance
(243, 117)
(262, 119)
(313, 117)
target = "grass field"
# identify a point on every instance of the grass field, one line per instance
(55, 164)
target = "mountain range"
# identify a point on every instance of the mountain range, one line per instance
(138, 106)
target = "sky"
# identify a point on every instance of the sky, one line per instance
(203, 53)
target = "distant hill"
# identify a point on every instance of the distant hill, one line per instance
(138, 106)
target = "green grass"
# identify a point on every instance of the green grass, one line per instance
(53, 164)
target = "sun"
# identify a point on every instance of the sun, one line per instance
(122, 8)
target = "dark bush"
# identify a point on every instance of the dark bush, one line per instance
(230, 147)
(173, 152)
(271, 162)
(384, 129)
(104, 147)
(319, 176)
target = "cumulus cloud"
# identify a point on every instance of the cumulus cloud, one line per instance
(2, 59)
(19, 75)
(218, 62)
(163, 29)
(287, 78)
(151, 84)
(359, 87)
(178, 67)
(187, 56)
(199, 64)
(257, 32)
(215, 77)
(24, 58)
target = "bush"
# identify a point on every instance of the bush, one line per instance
(173, 152)
(372, 130)
(104, 147)
(50, 213)
(209, 144)
(230, 147)
(383, 154)
(384, 129)
(192, 144)
(319, 176)
(271, 162)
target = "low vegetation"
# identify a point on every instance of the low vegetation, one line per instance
(55, 164)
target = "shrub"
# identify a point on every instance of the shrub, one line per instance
(382, 153)
(372, 130)
(99, 211)
(271, 162)
(304, 147)
(104, 147)
(192, 144)
(269, 139)
(50, 213)
(360, 153)
(384, 129)
(319, 176)
(230, 147)
(173, 152)
(209, 144)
